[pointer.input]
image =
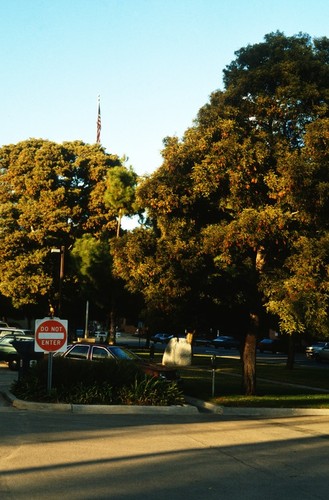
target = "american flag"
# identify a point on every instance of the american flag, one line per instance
(99, 123)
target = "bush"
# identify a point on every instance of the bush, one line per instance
(105, 382)
(151, 391)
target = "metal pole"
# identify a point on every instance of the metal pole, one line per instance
(61, 251)
(213, 382)
(213, 363)
(87, 319)
(61, 276)
(50, 371)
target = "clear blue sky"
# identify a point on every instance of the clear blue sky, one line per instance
(153, 62)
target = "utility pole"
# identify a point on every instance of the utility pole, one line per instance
(61, 251)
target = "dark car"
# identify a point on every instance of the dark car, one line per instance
(226, 342)
(281, 345)
(311, 351)
(96, 352)
(273, 345)
(202, 341)
(162, 338)
(8, 352)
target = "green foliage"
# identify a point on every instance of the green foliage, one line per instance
(298, 292)
(243, 196)
(151, 391)
(121, 185)
(93, 263)
(120, 192)
(50, 194)
(105, 382)
(86, 393)
(91, 253)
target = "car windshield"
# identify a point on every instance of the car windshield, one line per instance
(121, 353)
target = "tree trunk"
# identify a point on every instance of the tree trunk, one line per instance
(250, 346)
(119, 222)
(249, 357)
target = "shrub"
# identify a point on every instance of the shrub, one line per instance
(86, 382)
(151, 391)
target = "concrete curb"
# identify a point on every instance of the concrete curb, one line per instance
(204, 405)
(255, 412)
(100, 409)
(193, 406)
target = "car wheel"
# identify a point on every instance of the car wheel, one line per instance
(13, 364)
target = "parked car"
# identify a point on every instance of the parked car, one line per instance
(14, 331)
(202, 341)
(281, 344)
(312, 350)
(226, 342)
(97, 352)
(272, 345)
(162, 338)
(322, 354)
(8, 352)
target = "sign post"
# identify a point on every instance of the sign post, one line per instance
(50, 337)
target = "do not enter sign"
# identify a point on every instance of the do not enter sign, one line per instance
(50, 335)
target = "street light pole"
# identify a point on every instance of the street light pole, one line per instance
(61, 251)
(87, 319)
(61, 276)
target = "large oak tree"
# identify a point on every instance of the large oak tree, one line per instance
(243, 197)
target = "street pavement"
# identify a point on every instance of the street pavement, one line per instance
(51, 455)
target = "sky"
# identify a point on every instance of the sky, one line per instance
(154, 64)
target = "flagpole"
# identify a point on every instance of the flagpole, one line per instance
(99, 123)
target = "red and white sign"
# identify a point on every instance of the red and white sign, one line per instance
(50, 335)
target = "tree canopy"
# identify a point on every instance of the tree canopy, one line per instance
(50, 195)
(248, 185)
(120, 192)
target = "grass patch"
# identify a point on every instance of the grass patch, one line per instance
(273, 379)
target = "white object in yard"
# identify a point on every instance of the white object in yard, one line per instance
(177, 353)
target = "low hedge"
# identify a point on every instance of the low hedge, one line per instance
(104, 382)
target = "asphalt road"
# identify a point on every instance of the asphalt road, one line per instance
(51, 455)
